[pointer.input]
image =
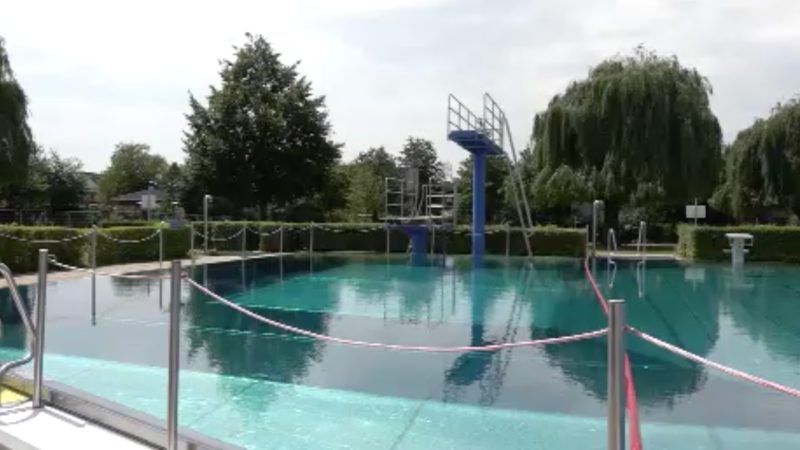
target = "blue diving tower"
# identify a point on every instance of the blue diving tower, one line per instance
(418, 209)
(484, 137)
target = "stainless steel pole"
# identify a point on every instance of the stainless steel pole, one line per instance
(161, 246)
(311, 238)
(616, 391)
(244, 241)
(695, 211)
(174, 351)
(388, 242)
(508, 240)
(191, 241)
(280, 245)
(38, 357)
(93, 262)
(206, 199)
(595, 206)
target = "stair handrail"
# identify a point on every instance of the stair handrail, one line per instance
(26, 321)
(611, 265)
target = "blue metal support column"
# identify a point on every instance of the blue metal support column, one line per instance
(478, 204)
(418, 234)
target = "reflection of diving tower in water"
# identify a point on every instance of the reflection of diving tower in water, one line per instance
(484, 137)
(418, 208)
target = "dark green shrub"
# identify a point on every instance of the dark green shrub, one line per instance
(770, 242)
(111, 251)
(21, 254)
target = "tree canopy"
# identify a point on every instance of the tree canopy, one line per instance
(366, 175)
(16, 139)
(421, 154)
(762, 169)
(638, 131)
(132, 168)
(497, 204)
(263, 137)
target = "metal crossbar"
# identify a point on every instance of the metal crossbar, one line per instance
(459, 117)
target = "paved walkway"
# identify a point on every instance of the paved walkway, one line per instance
(117, 269)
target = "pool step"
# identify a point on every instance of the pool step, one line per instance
(24, 428)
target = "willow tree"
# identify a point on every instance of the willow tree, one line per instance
(637, 132)
(762, 170)
(16, 140)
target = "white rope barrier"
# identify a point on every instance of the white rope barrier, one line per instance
(128, 241)
(45, 241)
(411, 348)
(61, 265)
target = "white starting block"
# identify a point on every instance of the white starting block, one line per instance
(739, 243)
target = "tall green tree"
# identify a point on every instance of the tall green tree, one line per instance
(638, 131)
(498, 208)
(16, 139)
(366, 175)
(263, 137)
(421, 154)
(762, 170)
(132, 168)
(53, 183)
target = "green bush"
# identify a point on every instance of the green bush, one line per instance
(110, 251)
(21, 255)
(770, 242)
(550, 241)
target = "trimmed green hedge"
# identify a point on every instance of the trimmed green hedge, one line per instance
(21, 256)
(176, 245)
(551, 241)
(770, 242)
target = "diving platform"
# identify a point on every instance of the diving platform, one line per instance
(475, 141)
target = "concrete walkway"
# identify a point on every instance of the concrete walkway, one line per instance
(118, 269)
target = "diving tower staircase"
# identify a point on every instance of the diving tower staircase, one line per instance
(484, 137)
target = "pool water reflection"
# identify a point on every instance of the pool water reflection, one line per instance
(235, 367)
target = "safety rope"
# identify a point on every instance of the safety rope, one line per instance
(630, 388)
(57, 263)
(707, 362)
(411, 348)
(45, 241)
(128, 241)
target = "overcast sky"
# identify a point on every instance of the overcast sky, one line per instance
(101, 72)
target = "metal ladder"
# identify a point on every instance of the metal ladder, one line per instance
(26, 321)
(493, 114)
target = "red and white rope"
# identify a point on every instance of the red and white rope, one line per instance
(411, 348)
(707, 362)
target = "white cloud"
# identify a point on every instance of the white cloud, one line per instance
(102, 72)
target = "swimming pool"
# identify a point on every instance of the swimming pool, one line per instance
(248, 384)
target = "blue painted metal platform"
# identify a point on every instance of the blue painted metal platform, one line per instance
(475, 142)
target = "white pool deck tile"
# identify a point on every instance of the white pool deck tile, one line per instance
(23, 427)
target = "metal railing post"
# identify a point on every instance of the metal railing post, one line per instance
(244, 241)
(616, 391)
(93, 263)
(174, 352)
(388, 242)
(206, 200)
(280, 245)
(311, 239)
(595, 206)
(161, 245)
(508, 240)
(191, 241)
(38, 354)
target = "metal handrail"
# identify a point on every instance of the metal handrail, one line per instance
(459, 117)
(26, 321)
(641, 241)
(611, 274)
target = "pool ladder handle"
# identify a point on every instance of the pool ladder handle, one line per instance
(26, 321)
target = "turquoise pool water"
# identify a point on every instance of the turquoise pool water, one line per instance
(257, 387)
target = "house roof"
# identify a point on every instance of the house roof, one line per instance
(136, 197)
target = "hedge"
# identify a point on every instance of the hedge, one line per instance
(550, 241)
(20, 254)
(770, 242)
(176, 245)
